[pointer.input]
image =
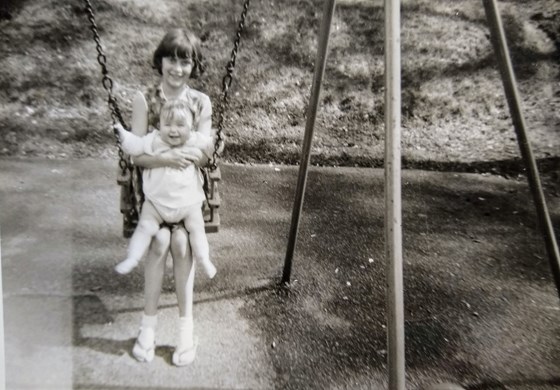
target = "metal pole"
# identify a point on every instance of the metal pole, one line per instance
(2, 349)
(328, 11)
(510, 87)
(393, 220)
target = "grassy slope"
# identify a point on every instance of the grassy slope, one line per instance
(52, 102)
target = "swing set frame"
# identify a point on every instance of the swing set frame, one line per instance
(393, 218)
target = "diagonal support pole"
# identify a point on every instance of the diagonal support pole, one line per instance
(324, 32)
(508, 79)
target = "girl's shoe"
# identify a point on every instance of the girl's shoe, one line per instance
(145, 353)
(185, 356)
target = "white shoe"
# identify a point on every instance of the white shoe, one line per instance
(145, 353)
(185, 356)
(209, 269)
(125, 266)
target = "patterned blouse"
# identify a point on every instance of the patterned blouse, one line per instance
(155, 99)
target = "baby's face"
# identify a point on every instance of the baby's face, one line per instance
(176, 131)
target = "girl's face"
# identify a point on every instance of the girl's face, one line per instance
(176, 71)
(175, 131)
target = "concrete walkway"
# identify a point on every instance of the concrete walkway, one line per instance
(481, 306)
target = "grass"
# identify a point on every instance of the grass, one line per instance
(454, 110)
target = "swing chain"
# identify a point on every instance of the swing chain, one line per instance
(107, 83)
(226, 84)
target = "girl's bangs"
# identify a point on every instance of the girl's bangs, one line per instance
(183, 52)
(178, 49)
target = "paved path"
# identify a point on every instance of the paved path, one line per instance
(70, 320)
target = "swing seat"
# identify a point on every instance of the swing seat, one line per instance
(129, 212)
(212, 204)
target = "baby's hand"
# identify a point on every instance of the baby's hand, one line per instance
(119, 129)
(118, 126)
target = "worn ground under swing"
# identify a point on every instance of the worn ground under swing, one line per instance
(481, 308)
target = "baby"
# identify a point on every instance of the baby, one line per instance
(171, 195)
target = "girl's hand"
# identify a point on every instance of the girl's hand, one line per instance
(177, 158)
(193, 154)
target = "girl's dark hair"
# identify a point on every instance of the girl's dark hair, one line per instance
(180, 43)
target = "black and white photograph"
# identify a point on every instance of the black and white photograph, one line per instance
(280, 194)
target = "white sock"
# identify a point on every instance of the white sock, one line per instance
(147, 329)
(186, 328)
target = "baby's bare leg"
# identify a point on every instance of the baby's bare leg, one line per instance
(194, 223)
(148, 226)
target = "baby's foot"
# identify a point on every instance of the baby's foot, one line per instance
(209, 268)
(125, 266)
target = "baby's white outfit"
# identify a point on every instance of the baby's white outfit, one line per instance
(172, 191)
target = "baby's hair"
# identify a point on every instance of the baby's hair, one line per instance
(180, 43)
(177, 109)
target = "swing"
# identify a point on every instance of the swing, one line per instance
(129, 176)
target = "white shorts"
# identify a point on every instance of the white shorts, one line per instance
(174, 215)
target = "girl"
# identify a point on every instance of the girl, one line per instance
(177, 59)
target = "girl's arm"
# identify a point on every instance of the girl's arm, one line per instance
(204, 128)
(174, 158)
(205, 121)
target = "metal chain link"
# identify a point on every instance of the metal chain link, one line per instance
(107, 83)
(226, 84)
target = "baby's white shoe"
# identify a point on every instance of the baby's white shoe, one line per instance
(209, 268)
(125, 266)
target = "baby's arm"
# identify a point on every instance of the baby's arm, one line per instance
(194, 223)
(133, 144)
(197, 152)
(139, 126)
(203, 142)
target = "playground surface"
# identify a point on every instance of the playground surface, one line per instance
(481, 309)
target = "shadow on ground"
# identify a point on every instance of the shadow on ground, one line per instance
(472, 253)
